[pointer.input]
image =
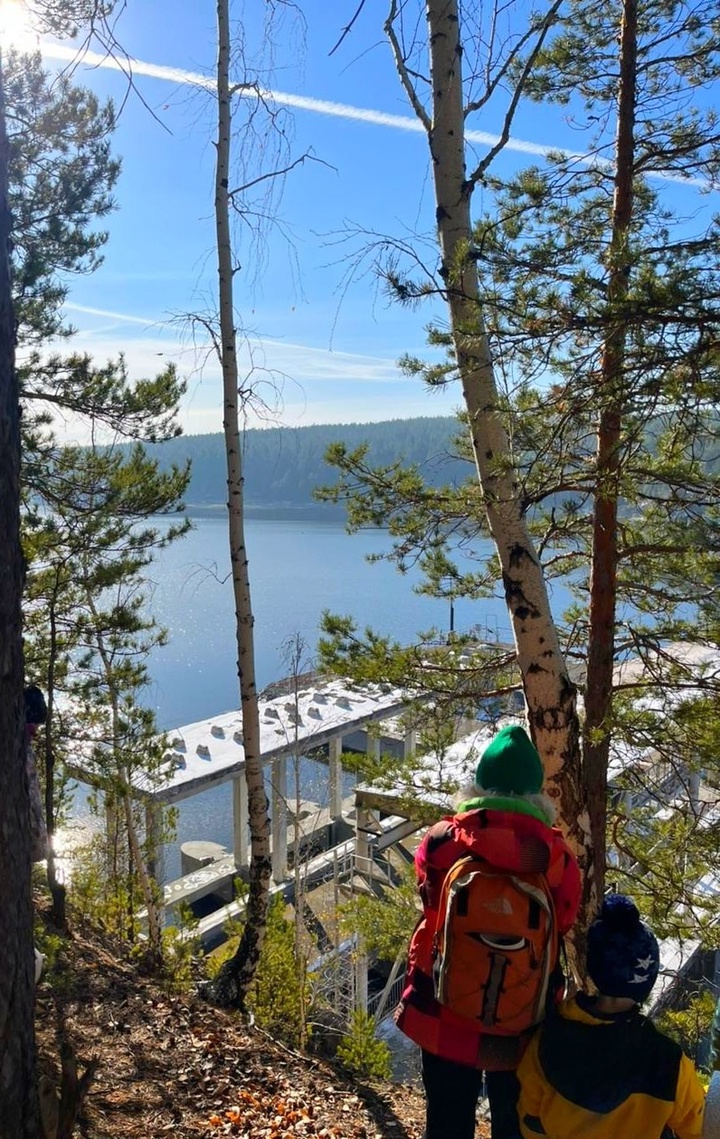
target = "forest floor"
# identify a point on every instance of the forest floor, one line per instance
(171, 1065)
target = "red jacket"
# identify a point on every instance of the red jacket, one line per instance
(507, 841)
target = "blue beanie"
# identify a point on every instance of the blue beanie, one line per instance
(623, 957)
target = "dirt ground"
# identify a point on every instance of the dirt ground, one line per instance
(171, 1065)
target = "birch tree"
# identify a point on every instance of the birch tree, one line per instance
(549, 692)
(600, 300)
(232, 983)
(625, 322)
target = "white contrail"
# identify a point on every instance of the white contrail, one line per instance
(124, 317)
(179, 75)
(283, 98)
(159, 325)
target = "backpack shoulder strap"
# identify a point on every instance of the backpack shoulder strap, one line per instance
(456, 871)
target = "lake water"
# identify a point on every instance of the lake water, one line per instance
(299, 567)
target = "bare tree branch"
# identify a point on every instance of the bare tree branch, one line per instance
(346, 30)
(483, 165)
(403, 70)
(279, 173)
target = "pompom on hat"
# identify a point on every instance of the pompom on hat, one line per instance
(623, 957)
(510, 764)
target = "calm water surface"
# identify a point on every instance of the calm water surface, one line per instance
(299, 567)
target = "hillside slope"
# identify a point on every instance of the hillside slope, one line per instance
(284, 465)
(172, 1065)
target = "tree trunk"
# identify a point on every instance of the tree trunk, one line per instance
(603, 578)
(234, 979)
(18, 1092)
(549, 692)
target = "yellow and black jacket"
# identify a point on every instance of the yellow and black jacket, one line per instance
(587, 1075)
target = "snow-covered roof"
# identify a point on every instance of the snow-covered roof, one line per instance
(701, 665)
(700, 660)
(211, 751)
(436, 776)
(675, 955)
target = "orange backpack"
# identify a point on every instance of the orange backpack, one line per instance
(495, 946)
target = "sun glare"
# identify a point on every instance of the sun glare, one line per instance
(15, 27)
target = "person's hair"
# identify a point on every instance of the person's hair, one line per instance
(540, 800)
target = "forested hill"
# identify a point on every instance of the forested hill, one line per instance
(283, 465)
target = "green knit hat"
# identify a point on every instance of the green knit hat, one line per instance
(510, 763)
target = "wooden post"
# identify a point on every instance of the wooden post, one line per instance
(409, 743)
(335, 773)
(373, 744)
(363, 852)
(279, 820)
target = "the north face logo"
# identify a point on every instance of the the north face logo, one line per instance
(499, 906)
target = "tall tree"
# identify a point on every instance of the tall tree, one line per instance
(90, 539)
(265, 160)
(624, 315)
(452, 99)
(18, 1096)
(62, 173)
(18, 1106)
(237, 973)
(601, 304)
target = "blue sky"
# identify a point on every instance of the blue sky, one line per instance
(330, 338)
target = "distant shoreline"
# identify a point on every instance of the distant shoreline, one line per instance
(272, 510)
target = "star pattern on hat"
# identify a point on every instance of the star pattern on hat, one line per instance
(644, 962)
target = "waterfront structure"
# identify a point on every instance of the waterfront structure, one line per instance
(296, 719)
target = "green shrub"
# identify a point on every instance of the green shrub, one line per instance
(689, 1026)
(361, 1052)
(278, 995)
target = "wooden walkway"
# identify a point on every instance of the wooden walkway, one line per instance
(338, 860)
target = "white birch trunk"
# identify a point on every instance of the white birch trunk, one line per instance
(549, 692)
(236, 976)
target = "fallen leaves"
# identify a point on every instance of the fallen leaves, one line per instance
(171, 1065)
(287, 1116)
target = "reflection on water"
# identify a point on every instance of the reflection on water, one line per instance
(72, 839)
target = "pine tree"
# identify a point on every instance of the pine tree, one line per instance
(18, 1095)
(616, 292)
(600, 307)
(90, 540)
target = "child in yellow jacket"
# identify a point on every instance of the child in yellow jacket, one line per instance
(599, 1068)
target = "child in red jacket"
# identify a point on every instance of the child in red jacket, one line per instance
(507, 829)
